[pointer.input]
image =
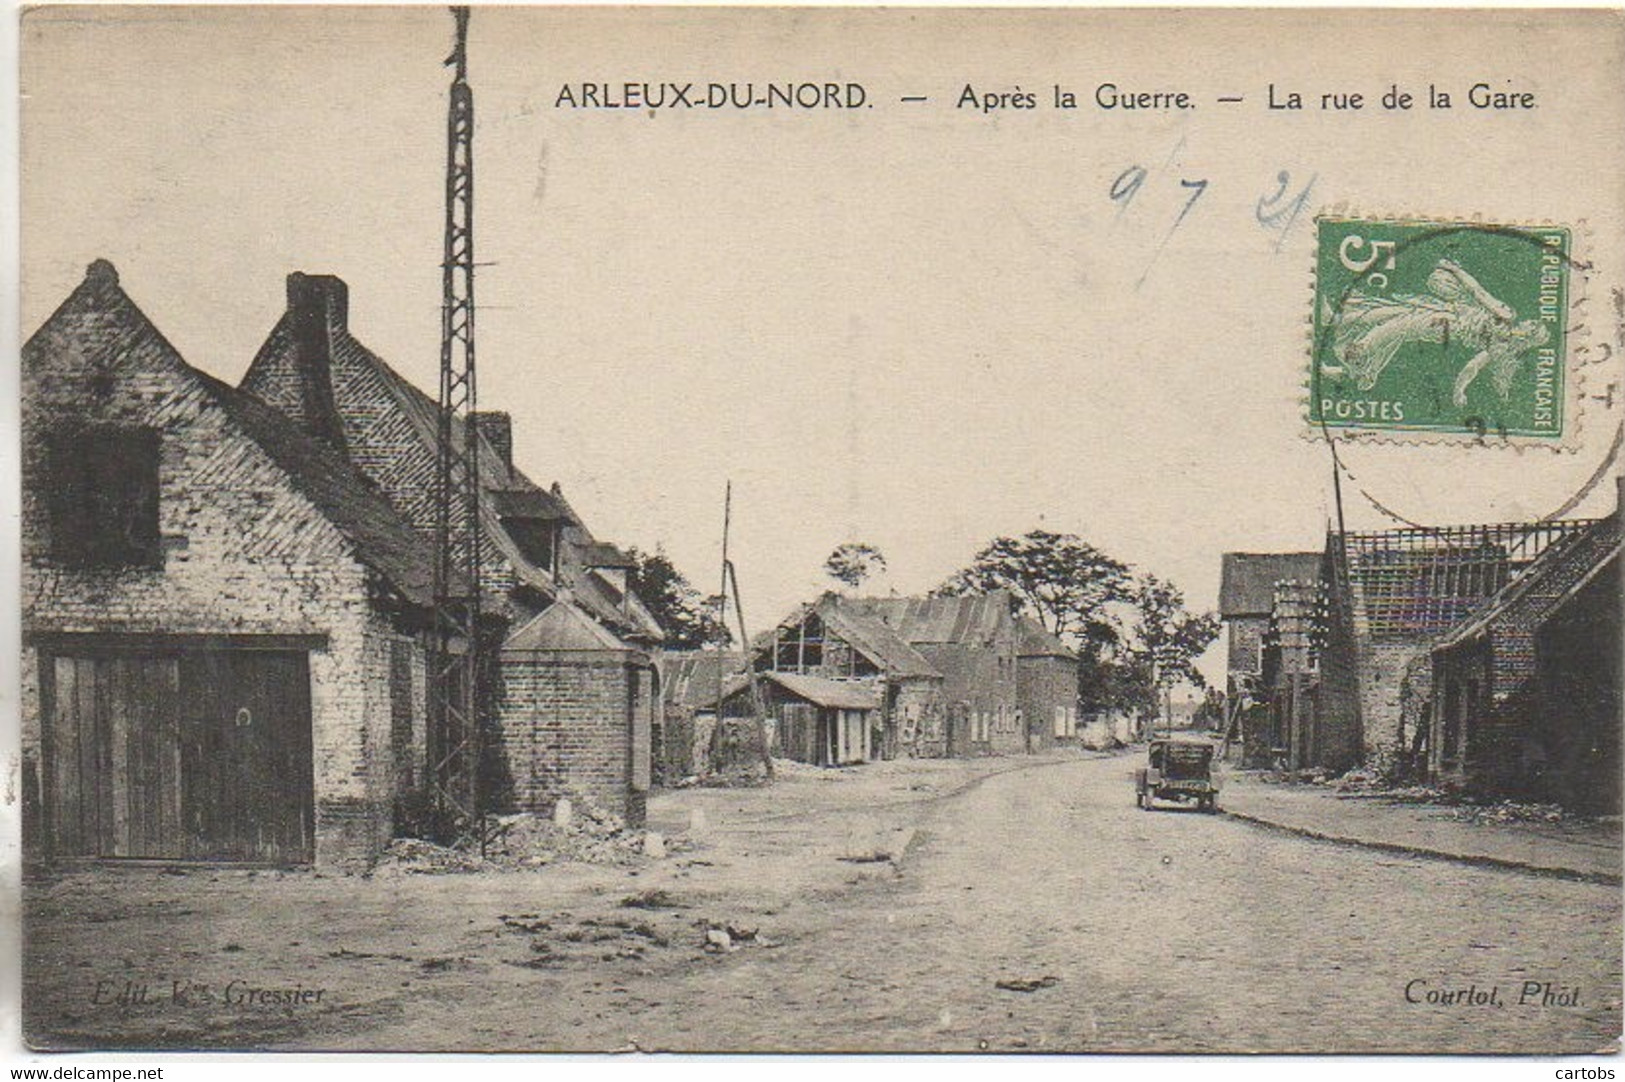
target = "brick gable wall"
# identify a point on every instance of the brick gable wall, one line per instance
(244, 553)
(980, 692)
(1045, 685)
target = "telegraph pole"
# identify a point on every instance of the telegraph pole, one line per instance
(457, 662)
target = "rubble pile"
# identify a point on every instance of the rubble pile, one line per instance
(737, 777)
(1510, 811)
(590, 837)
(524, 842)
(421, 857)
(1465, 807)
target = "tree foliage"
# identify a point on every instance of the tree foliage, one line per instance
(1059, 579)
(1169, 634)
(1117, 683)
(689, 619)
(853, 562)
(1133, 634)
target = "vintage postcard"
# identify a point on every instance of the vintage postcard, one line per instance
(1014, 531)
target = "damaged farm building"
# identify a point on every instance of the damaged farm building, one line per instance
(227, 596)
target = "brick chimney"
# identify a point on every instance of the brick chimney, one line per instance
(496, 426)
(101, 274)
(318, 309)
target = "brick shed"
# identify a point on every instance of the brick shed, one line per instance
(223, 618)
(577, 705)
(592, 647)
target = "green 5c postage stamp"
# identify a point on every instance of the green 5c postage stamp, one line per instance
(1444, 329)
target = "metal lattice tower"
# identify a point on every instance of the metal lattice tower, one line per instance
(457, 664)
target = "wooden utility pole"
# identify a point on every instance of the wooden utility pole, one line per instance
(730, 581)
(722, 603)
(756, 702)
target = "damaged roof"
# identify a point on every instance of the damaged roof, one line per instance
(821, 691)
(963, 619)
(1562, 569)
(868, 634)
(873, 637)
(1247, 579)
(689, 678)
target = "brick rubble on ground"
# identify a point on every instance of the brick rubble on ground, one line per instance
(1361, 783)
(525, 842)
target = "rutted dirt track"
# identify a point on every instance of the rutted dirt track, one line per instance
(875, 909)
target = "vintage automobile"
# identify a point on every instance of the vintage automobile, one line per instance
(1177, 769)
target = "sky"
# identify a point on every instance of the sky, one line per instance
(916, 325)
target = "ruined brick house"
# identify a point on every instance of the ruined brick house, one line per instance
(842, 687)
(1382, 600)
(995, 701)
(1246, 599)
(1526, 692)
(224, 620)
(1391, 596)
(1247, 594)
(576, 687)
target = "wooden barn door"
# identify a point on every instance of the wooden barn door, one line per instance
(195, 755)
(246, 756)
(113, 762)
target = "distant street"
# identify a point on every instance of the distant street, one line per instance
(1137, 931)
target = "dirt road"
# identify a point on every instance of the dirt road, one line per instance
(871, 909)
